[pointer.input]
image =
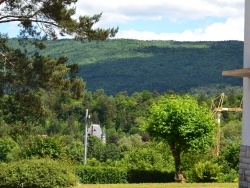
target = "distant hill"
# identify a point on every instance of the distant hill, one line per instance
(132, 65)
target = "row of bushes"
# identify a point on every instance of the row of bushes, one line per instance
(48, 173)
(116, 175)
(150, 176)
(201, 172)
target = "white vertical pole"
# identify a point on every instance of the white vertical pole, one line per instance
(246, 80)
(86, 138)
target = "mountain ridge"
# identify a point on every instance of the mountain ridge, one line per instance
(130, 65)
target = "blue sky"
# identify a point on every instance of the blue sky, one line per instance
(181, 20)
(164, 25)
(11, 29)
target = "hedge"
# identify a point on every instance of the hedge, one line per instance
(45, 173)
(48, 173)
(150, 176)
(102, 175)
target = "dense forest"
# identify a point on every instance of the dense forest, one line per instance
(152, 100)
(43, 101)
(133, 66)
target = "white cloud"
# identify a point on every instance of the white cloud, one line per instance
(227, 26)
(120, 12)
(232, 29)
(165, 8)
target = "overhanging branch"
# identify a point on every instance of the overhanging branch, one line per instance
(27, 18)
(6, 59)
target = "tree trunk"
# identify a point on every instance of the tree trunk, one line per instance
(177, 160)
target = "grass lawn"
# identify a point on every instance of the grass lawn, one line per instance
(162, 185)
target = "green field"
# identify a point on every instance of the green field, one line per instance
(163, 185)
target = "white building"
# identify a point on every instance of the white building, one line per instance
(95, 130)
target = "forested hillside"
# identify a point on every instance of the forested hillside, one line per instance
(132, 65)
(149, 133)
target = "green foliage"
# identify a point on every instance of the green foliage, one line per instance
(150, 176)
(8, 147)
(226, 174)
(108, 175)
(74, 148)
(95, 147)
(104, 108)
(101, 175)
(231, 176)
(163, 65)
(230, 132)
(42, 93)
(111, 153)
(36, 173)
(133, 65)
(188, 159)
(102, 152)
(231, 155)
(93, 162)
(149, 156)
(127, 143)
(43, 147)
(183, 124)
(40, 21)
(206, 172)
(38, 85)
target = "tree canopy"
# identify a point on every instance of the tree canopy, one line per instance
(132, 65)
(39, 84)
(47, 18)
(43, 102)
(183, 124)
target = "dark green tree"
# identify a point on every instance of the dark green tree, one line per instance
(7, 144)
(40, 85)
(105, 108)
(231, 155)
(126, 111)
(183, 124)
(46, 18)
(95, 148)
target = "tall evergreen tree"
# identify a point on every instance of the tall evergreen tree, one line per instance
(39, 85)
(45, 17)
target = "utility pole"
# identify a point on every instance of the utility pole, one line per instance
(86, 137)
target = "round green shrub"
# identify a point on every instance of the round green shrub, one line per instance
(206, 172)
(7, 146)
(46, 173)
(231, 176)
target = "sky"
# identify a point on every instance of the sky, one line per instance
(179, 20)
